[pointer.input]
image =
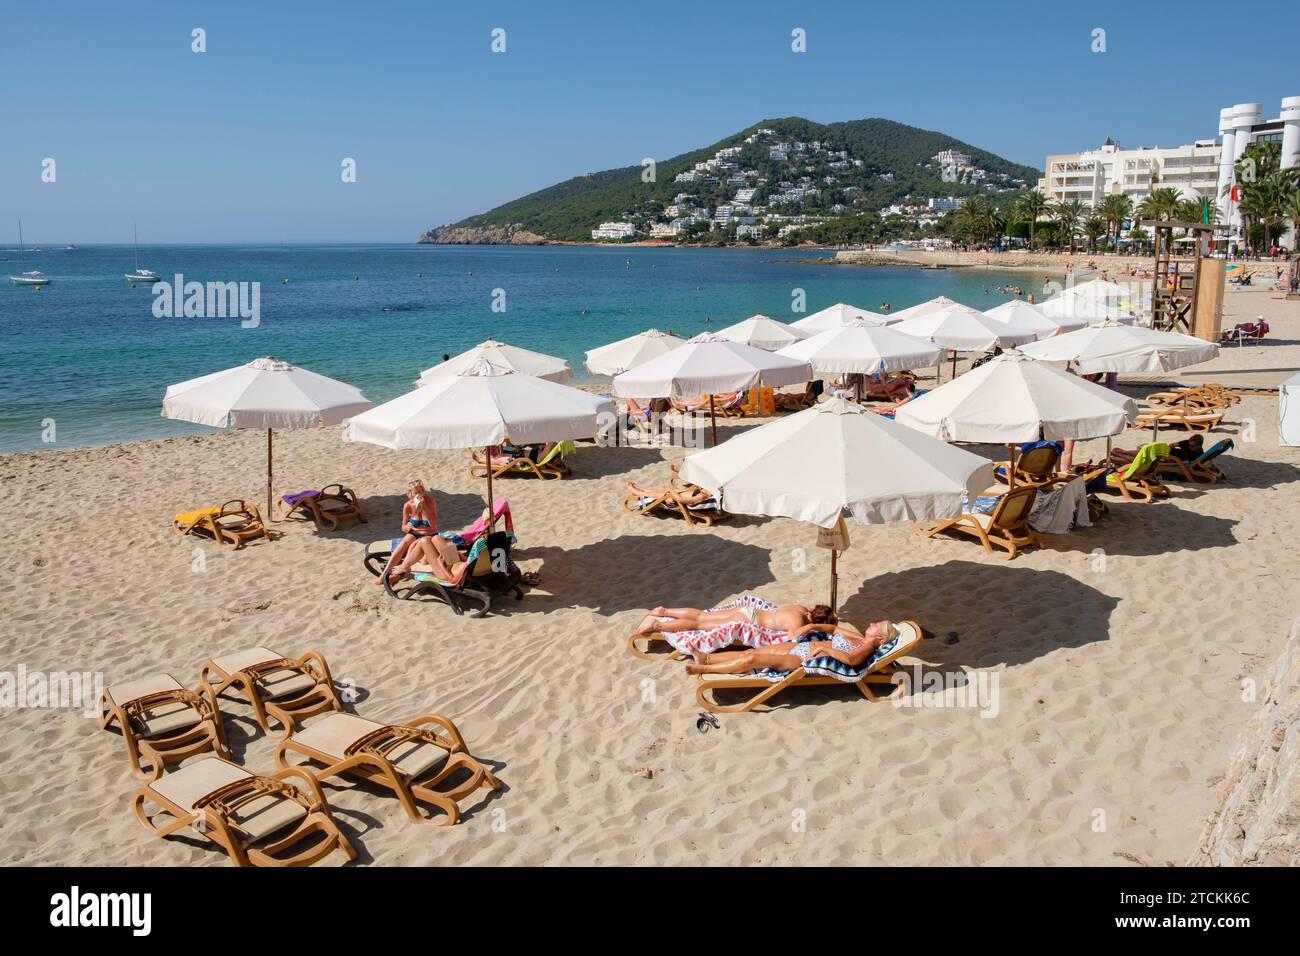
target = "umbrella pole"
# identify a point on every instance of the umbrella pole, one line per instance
(1108, 441)
(268, 474)
(713, 419)
(1011, 469)
(835, 580)
(492, 518)
(954, 363)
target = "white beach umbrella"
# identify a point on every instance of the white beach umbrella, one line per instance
(963, 329)
(1082, 310)
(512, 357)
(264, 393)
(762, 332)
(1115, 347)
(480, 406)
(706, 365)
(630, 352)
(1026, 315)
(836, 457)
(1012, 399)
(1103, 289)
(924, 308)
(863, 349)
(839, 315)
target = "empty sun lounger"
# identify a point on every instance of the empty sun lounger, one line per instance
(413, 760)
(287, 688)
(162, 720)
(328, 508)
(1006, 526)
(258, 820)
(819, 671)
(1035, 463)
(233, 523)
(1178, 416)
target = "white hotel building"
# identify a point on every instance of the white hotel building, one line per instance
(1204, 169)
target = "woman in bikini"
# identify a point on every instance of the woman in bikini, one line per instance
(785, 617)
(419, 522)
(839, 641)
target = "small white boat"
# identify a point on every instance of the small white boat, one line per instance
(32, 277)
(138, 276)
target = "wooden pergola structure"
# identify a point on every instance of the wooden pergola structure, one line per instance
(1186, 290)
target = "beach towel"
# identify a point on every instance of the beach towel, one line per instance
(831, 666)
(1063, 508)
(466, 537)
(189, 517)
(1145, 456)
(298, 496)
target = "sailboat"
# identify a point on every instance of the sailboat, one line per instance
(34, 277)
(140, 275)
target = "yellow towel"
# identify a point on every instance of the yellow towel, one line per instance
(189, 517)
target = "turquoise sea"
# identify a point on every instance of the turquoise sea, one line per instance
(88, 352)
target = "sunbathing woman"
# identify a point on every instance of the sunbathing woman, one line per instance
(844, 644)
(786, 617)
(694, 498)
(437, 552)
(419, 521)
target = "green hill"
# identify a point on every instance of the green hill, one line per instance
(861, 166)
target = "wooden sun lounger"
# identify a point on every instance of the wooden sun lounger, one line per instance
(233, 523)
(329, 508)
(410, 759)
(1137, 483)
(671, 502)
(551, 467)
(728, 405)
(1006, 527)
(287, 688)
(795, 401)
(258, 820)
(1178, 415)
(881, 672)
(162, 721)
(1035, 467)
(1201, 469)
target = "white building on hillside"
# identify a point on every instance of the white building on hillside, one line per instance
(613, 230)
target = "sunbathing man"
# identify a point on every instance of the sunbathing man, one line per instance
(419, 521)
(786, 617)
(844, 644)
(1189, 449)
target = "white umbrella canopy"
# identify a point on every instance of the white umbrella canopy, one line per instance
(1080, 311)
(264, 393)
(536, 364)
(706, 365)
(924, 308)
(1114, 347)
(630, 352)
(761, 332)
(1026, 315)
(963, 329)
(838, 456)
(1013, 398)
(481, 405)
(1101, 289)
(864, 349)
(839, 315)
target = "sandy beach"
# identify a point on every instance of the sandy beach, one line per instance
(1119, 650)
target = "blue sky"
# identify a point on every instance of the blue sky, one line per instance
(244, 142)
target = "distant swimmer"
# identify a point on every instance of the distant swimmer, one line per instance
(285, 280)
(584, 311)
(419, 275)
(356, 278)
(471, 273)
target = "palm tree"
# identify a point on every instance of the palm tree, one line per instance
(1116, 209)
(1139, 236)
(1162, 203)
(977, 221)
(1068, 213)
(1293, 213)
(1094, 227)
(1031, 205)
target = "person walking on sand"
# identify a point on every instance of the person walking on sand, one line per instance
(840, 642)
